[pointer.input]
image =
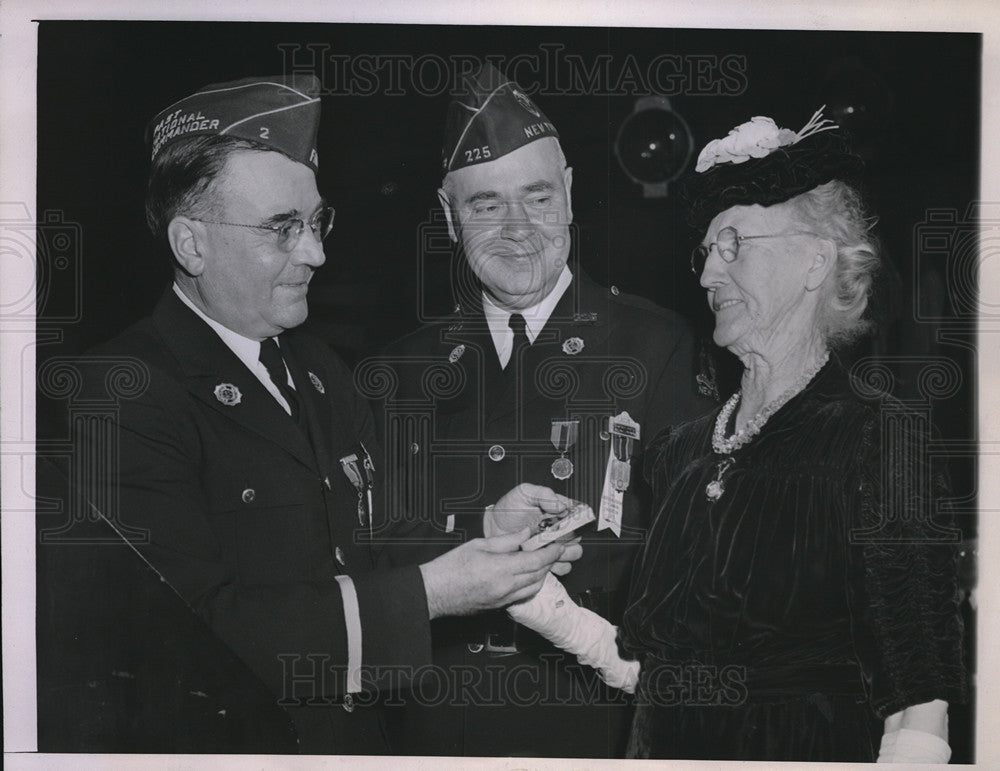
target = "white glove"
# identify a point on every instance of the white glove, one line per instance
(909, 746)
(576, 630)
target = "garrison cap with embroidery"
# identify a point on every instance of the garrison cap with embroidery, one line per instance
(489, 118)
(281, 112)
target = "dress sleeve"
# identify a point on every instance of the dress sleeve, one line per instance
(908, 565)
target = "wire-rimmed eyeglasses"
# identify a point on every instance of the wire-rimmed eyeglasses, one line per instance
(290, 231)
(728, 243)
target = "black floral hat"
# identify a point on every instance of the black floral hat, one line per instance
(759, 163)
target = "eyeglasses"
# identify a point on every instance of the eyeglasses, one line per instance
(728, 243)
(290, 231)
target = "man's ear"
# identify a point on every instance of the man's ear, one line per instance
(186, 237)
(446, 205)
(568, 183)
(823, 262)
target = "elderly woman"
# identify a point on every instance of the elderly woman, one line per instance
(792, 602)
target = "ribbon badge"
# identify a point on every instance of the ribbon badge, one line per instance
(360, 470)
(228, 394)
(564, 436)
(624, 433)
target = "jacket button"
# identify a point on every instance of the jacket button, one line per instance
(348, 702)
(496, 453)
(475, 647)
(249, 496)
(414, 448)
(339, 554)
(615, 291)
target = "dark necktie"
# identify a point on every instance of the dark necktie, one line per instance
(503, 383)
(270, 357)
(519, 326)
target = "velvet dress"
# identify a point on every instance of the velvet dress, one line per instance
(786, 619)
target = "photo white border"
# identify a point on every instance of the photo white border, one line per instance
(18, 50)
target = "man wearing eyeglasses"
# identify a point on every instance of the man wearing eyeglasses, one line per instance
(248, 461)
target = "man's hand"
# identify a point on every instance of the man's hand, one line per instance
(487, 573)
(524, 506)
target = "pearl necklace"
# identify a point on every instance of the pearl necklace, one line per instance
(723, 446)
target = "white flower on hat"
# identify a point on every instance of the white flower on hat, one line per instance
(757, 138)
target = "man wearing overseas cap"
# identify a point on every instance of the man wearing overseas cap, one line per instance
(541, 376)
(248, 460)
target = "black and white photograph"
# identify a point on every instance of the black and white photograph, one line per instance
(551, 389)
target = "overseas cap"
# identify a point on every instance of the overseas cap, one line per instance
(281, 112)
(489, 118)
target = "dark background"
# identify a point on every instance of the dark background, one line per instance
(916, 100)
(912, 100)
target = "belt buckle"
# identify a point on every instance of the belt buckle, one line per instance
(499, 650)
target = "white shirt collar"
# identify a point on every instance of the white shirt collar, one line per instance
(246, 349)
(535, 317)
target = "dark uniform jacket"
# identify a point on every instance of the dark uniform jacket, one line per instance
(460, 432)
(252, 520)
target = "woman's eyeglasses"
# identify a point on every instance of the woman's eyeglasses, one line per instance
(728, 243)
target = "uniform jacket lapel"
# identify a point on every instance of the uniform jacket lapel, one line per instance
(312, 396)
(581, 312)
(478, 361)
(206, 363)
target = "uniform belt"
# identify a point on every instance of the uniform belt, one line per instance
(496, 634)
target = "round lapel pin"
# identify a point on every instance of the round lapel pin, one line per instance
(228, 394)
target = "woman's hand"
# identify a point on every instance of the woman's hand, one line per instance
(553, 614)
(917, 734)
